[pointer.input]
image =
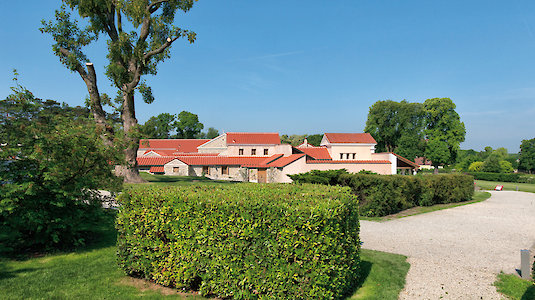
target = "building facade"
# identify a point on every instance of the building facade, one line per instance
(260, 157)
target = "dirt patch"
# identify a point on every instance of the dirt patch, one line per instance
(145, 285)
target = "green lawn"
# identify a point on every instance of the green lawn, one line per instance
(514, 287)
(510, 186)
(180, 180)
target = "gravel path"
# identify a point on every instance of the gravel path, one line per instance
(456, 253)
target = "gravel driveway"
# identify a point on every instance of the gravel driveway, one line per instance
(456, 253)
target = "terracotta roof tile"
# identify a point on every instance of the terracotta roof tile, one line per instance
(249, 138)
(154, 161)
(158, 169)
(350, 138)
(316, 152)
(178, 145)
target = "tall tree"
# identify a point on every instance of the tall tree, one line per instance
(158, 127)
(397, 127)
(444, 131)
(187, 125)
(527, 155)
(210, 134)
(139, 34)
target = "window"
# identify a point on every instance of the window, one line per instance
(253, 151)
(176, 169)
(341, 156)
(354, 154)
(206, 170)
(240, 152)
(266, 151)
(347, 155)
(224, 170)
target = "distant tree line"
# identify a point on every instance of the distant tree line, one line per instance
(185, 125)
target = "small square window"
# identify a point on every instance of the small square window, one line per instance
(341, 156)
(176, 169)
(224, 170)
(240, 152)
(266, 151)
(253, 151)
(206, 170)
(347, 155)
(354, 154)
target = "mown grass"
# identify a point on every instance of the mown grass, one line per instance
(478, 197)
(383, 275)
(180, 180)
(509, 186)
(514, 287)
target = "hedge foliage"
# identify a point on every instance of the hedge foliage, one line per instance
(503, 177)
(381, 195)
(245, 241)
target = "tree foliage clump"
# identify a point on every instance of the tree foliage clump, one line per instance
(184, 125)
(527, 155)
(139, 35)
(397, 127)
(52, 161)
(296, 139)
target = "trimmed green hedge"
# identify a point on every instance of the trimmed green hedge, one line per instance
(503, 177)
(381, 195)
(244, 241)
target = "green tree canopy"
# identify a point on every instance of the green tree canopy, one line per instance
(187, 125)
(443, 129)
(397, 127)
(158, 127)
(209, 134)
(527, 155)
(138, 34)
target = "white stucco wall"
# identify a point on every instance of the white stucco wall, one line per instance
(234, 150)
(362, 151)
(217, 145)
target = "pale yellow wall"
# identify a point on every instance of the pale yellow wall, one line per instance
(298, 166)
(284, 149)
(183, 168)
(384, 169)
(362, 151)
(234, 150)
(217, 145)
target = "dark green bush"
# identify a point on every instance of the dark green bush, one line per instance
(329, 177)
(243, 241)
(381, 195)
(503, 177)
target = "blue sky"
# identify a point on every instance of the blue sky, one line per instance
(299, 67)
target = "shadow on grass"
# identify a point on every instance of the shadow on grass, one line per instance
(181, 179)
(6, 272)
(365, 269)
(529, 294)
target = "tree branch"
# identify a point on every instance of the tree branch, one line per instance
(66, 53)
(161, 49)
(155, 5)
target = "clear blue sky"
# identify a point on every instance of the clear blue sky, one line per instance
(299, 67)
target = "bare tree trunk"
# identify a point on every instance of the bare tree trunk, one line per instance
(96, 106)
(128, 115)
(435, 171)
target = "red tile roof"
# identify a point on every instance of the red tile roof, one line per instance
(220, 160)
(407, 161)
(348, 162)
(248, 138)
(278, 162)
(350, 138)
(178, 145)
(154, 161)
(316, 152)
(158, 169)
(175, 153)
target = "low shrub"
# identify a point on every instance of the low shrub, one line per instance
(381, 195)
(503, 177)
(243, 241)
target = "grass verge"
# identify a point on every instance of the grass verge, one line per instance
(509, 186)
(180, 180)
(478, 197)
(514, 287)
(383, 275)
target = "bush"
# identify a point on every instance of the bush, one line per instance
(381, 195)
(503, 177)
(51, 162)
(244, 241)
(329, 177)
